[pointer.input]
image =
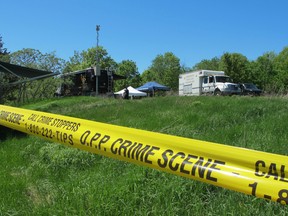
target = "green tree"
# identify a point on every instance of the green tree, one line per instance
(128, 69)
(4, 54)
(236, 66)
(166, 69)
(206, 64)
(185, 68)
(27, 58)
(263, 72)
(281, 69)
(4, 78)
(74, 63)
(32, 58)
(87, 58)
(148, 76)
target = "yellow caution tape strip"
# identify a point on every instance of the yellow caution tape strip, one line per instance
(256, 173)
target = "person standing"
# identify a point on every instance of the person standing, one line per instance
(126, 93)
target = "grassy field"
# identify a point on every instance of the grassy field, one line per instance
(38, 177)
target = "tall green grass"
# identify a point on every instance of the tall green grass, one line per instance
(42, 178)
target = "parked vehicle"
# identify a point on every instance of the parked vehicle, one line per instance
(207, 82)
(250, 89)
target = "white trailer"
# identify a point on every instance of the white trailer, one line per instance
(206, 82)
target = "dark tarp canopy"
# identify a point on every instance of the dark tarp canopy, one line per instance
(24, 77)
(20, 71)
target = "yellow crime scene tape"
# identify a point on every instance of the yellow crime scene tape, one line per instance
(256, 173)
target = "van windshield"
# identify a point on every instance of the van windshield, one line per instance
(223, 79)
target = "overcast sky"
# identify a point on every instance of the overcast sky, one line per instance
(139, 30)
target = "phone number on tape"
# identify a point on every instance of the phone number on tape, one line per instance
(49, 133)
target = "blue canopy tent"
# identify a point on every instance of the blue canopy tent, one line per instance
(152, 87)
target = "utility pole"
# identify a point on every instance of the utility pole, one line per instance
(97, 67)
